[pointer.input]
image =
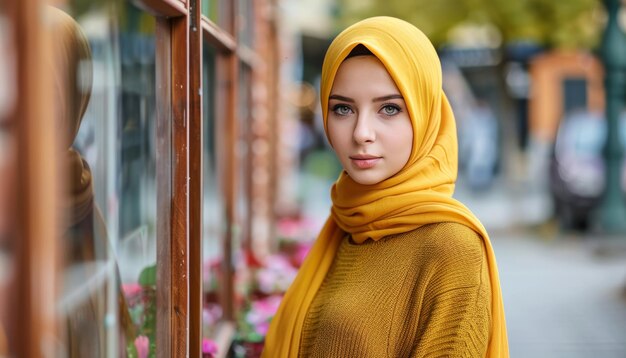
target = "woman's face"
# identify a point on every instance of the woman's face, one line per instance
(368, 122)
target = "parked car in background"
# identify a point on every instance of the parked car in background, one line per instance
(577, 167)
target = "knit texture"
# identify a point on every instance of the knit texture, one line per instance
(423, 293)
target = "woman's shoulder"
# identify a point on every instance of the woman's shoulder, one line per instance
(449, 239)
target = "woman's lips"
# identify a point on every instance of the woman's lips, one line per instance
(364, 162)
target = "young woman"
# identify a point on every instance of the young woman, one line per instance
(400, 269)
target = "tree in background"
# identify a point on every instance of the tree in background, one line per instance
(550, 23)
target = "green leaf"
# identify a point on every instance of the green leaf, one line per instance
(148, 276)
(131, 350)
(255, 337)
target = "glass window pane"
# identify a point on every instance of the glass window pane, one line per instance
(213, 203)
(6, 135)
(210, 9)
(7, 70)
(246, 22)
(8, 164)
(243, 151)
(108, 298)
(218, 11)
(136, 248)
(241, 236)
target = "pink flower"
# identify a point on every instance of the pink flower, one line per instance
(209, 347)
(261, 313)
(211, 313)
(289, 227)
(276, 275)
(131, 289)
(268, 306)
(262, 328)
(210, 273)
(297, 229)
(301, 252)
(142, 344)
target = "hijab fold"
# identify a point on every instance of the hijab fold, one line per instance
(420, 194)
(73, 76)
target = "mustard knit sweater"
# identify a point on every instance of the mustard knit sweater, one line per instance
(424, 293)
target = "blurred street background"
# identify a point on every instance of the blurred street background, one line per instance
(526, 80)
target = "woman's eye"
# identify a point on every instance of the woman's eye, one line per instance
(390, 110)
(342, 110)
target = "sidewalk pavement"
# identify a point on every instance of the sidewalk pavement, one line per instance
(564, 297)
(564, 293)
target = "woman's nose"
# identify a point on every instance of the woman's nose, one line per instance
(364, 130)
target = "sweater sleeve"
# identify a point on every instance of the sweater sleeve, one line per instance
(455, 314)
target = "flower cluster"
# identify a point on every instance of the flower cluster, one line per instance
(256, 318)
(209, 348)
(271, 279)
(276, 275)
(141, 300)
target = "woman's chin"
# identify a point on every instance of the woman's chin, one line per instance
(366, 178)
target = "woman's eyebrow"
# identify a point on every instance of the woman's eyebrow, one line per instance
(377, 99)
(340, 98)
(386, 98)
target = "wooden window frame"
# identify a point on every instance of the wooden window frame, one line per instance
(231, 53)
(176, 111)
(181, 32)
(227, 75)
(35, 242)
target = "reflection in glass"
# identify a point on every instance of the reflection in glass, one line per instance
(83, 298)
(7, 70)
(109, 292)
(210, 9)
(213, 207)
(7, 171)
(137, 179)
(243, 150)
(242, 232)
(219, 12)
(246, 22)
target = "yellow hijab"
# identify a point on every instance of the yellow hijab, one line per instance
(420, 194)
